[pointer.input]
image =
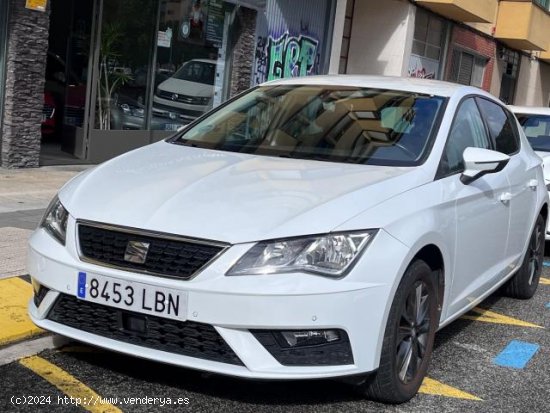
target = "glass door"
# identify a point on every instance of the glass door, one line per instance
(65, 88)
(124, 66)
(189, 41)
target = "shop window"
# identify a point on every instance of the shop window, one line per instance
(510, 59)
(467, 68)
(429, 35)
(123, 71)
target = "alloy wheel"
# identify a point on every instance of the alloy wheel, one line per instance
(413, 329)
(536, 246)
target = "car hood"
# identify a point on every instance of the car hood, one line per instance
(184, 87)
(228, 196)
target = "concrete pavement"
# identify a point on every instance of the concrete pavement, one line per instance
(24, 194)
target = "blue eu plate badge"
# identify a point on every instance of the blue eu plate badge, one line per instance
(81, 285)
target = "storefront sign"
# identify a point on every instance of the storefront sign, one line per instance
(214, 22)
(422, 67)
(164, 39)
(289, 56)
(38, 5)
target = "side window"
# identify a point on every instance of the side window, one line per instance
(467, 131)
(502, 128)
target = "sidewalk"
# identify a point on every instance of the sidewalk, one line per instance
(24, 194)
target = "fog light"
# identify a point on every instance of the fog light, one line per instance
(309, 337)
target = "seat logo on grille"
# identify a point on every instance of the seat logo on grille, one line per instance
(136, 252)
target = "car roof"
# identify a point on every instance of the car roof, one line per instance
(423, 86)
(203, 61)
(530, 110)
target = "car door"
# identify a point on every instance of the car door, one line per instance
(481, 215)
(521, 172)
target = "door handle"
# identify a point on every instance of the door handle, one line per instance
(505, 197)
(533, 183)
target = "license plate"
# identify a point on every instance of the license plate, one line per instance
(132, 296)
(172, 126)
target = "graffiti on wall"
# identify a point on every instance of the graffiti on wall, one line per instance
(285, 56)
(423, 68)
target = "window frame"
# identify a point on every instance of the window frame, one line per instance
(510, 117)
(509, 114)
(440, 174)
(425, 42)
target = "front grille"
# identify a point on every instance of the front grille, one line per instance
(178, 97)
(74, 116)
(187, 338)
(48, 111)
(166, 256)
(164, 111)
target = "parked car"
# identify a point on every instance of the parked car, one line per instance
(129, 114)
(64, 98)
(313, 227)
(188, 93)
(48, 125)
(536, 125)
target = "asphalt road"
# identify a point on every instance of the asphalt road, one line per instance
(464, 358)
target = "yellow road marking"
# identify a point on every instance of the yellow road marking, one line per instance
(14, 321)
(68, 384)
(487, 316)
(436, 388)
(544, 281)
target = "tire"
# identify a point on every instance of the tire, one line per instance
(524, 283)
(396, 380)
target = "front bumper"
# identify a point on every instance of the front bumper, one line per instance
(235, 306)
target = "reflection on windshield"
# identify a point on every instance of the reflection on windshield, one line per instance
(537, 130)
(339, 124)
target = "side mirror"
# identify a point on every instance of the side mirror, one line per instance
(479, 162)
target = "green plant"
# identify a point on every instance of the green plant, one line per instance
(109, 80)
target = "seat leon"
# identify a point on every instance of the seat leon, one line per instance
(309, 228)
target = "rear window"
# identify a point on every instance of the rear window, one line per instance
(338, 124)
(537, 130)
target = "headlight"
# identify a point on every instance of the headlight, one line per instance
(330, 255)
(132, 110)
(55, 220)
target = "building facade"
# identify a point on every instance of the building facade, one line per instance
(96, 78)
(500, 46)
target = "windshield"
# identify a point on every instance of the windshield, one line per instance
(329, 123)
(198, 72)
(537, 130)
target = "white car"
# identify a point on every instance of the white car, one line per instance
(187, 94)
(535, 122)
(313, 227)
